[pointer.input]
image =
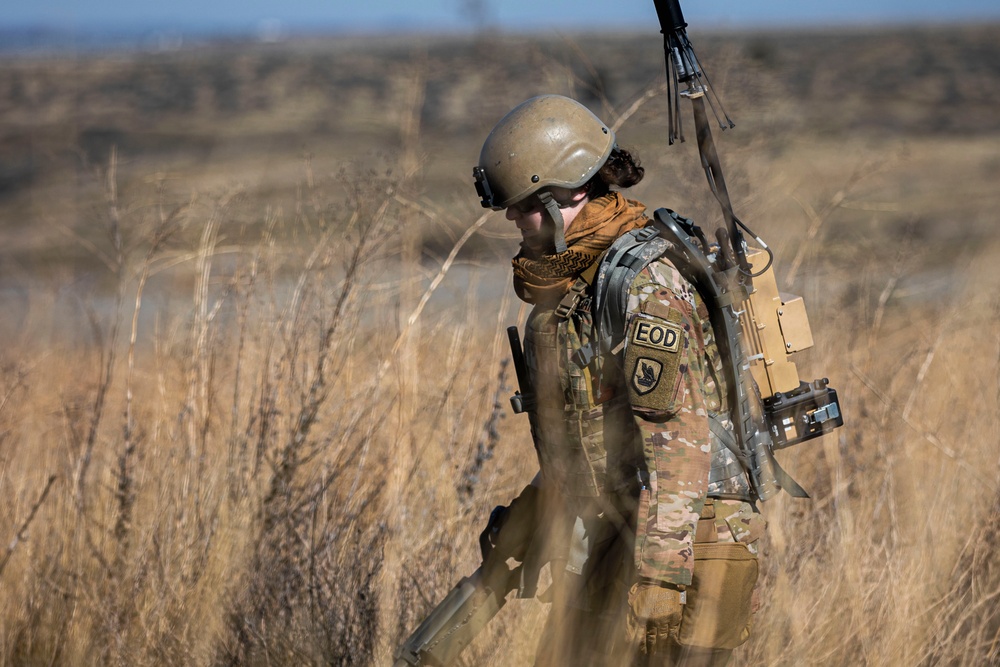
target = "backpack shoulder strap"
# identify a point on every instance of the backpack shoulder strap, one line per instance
(629, 255)
(616, 270)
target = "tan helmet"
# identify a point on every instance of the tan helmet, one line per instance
(549, 140)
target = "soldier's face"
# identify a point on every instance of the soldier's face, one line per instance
(529, 214)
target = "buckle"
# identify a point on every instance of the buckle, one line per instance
(646, 233)
(567, 307)
(574, 299)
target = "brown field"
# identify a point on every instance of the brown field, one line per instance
(253, 388)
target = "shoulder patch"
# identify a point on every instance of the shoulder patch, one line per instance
(653, 360)
(646, 375)
(658, 335)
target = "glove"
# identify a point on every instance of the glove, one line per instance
(509, 530)
(491, 534)
(654, 615)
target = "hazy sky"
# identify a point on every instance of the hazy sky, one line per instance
(450, 15)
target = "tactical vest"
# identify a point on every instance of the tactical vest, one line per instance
(583, 427)
(573, 427)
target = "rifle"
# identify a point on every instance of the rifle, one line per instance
(457, 620)
(510, 533)
(477, 598)
(523, 400)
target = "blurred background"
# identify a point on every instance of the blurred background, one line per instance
(270, 20)
(253, 381)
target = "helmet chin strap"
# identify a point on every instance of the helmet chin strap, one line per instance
(555, 219)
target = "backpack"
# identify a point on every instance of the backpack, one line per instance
(677, 239)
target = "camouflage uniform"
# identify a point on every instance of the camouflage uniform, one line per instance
(674, 378)
(629, 449)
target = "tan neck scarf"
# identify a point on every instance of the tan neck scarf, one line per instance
(548, 277)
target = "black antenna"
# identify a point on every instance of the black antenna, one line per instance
(683, 68)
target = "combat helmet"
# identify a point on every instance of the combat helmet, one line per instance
(545, 141)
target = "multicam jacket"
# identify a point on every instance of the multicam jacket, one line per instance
(638, 426)
(670, 378)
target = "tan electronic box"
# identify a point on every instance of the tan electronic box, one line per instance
(777, 328)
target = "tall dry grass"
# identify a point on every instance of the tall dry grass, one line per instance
(284, 468)
(268, 439)
(211, 483)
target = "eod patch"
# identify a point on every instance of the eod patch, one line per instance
(658, 335)
(652, 360)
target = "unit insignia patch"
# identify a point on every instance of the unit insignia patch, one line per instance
(646, 375)
(653, 353)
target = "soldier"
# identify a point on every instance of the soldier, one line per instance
(651, 540)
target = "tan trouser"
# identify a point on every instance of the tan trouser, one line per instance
(586, 625)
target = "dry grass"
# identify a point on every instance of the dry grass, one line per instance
(253, 409)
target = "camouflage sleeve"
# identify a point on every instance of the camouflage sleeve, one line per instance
(663, 372)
